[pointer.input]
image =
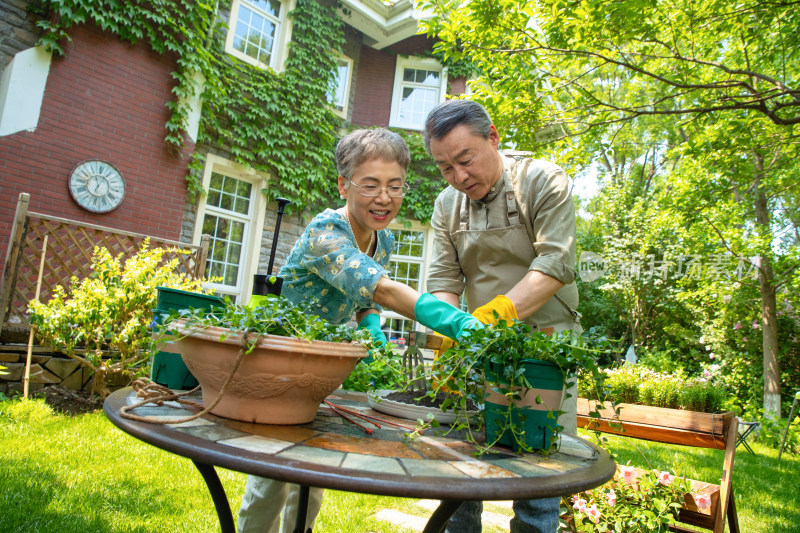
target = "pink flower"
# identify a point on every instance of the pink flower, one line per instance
(703, 501)
(579, 505)
(738, 325)
(744, 339)
(594, 514)
(628, 474)
(755, 324)
(612, 497)
(706, 373)
(726, 298)
(665, 478)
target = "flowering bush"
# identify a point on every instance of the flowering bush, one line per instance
(634, 502)
(108, 313)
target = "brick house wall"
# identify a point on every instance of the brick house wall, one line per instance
(374, 80)
(104, 99)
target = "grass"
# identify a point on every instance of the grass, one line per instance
(81, 474)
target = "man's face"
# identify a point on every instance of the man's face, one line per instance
(467, 161)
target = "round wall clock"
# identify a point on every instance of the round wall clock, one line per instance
(97, 186)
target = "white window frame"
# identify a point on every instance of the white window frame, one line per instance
(252, 241)
(427, 253)
(397, 91)
(346, 93)
(280, 48)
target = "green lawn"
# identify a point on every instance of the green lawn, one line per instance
(80, 474)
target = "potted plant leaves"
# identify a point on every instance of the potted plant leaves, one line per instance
(271, 364)
(518, 378)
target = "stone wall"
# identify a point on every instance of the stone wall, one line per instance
(47, 368)
(18, 29)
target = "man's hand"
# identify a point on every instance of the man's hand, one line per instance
(504, 307)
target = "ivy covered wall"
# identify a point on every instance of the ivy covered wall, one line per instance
(276, 123)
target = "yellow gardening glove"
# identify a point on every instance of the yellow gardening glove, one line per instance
(504, 307)
(447, 343)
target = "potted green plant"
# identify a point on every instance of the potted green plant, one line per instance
(270, 364)
(518, 378)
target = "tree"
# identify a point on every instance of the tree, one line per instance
(722, 75)
(694, 57)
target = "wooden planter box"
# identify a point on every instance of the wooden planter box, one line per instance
(676, 426)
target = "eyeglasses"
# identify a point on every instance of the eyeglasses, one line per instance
(373, 191)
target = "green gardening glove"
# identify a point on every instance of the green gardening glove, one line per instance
(442, 317)
(372, 323)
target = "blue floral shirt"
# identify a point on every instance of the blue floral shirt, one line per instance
(326, 265)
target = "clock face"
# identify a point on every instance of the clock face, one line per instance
(97, 186)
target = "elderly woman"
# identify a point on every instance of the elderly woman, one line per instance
(340, 263)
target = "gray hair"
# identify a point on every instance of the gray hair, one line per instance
(451, 113)
(362, 145)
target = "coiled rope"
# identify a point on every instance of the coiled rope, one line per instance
(158, 394)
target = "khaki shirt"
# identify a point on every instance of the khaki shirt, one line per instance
(546, 191)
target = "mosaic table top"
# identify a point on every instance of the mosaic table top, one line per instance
(332, 452)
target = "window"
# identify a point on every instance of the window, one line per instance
(339, 96)
(419, 86)
(232, 214)
(407, 266)
(258, 31)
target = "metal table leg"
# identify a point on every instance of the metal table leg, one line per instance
(217, 496)
(302, 511)
(441, 516)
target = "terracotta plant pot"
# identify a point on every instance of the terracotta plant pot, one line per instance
(282, 381)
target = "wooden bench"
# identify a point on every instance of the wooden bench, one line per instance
(687, 428)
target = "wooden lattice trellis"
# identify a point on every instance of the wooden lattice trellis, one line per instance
(69, 252)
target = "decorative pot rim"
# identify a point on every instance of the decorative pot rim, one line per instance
(275, 342)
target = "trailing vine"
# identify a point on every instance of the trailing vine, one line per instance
(424, 177)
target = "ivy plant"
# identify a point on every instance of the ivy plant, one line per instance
(274, 316)
(493, 359)
(274, 122)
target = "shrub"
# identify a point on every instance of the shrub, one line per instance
(770, 432)
(638, 384)
(106, 316)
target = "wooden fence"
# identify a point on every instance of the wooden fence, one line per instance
(69, 252)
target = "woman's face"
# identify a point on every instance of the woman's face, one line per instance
(372, 213)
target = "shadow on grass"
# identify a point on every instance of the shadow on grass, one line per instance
(37, 499)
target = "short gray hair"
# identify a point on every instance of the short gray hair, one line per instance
(449, 114)
(363, 145)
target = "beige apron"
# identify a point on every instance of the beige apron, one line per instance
(494, 260)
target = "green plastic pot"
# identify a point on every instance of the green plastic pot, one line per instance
(533, 410)
(166, 366)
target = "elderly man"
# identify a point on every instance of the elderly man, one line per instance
(504, 235)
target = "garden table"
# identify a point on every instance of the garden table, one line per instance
(334, 453)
